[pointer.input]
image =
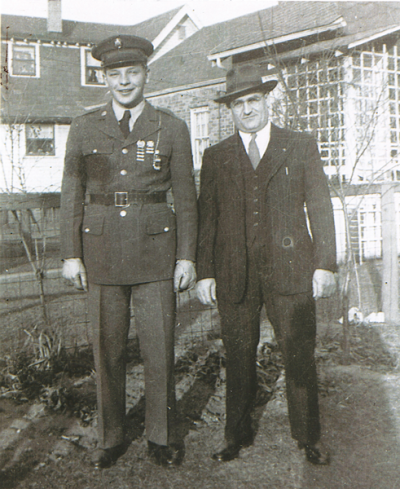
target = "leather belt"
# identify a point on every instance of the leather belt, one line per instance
(122, 199)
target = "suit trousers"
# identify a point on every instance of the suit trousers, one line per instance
(294, 323)
(109, 313)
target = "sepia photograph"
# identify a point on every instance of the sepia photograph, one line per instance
(199, 244)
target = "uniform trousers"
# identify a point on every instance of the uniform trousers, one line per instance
(294, 323)
(109, 313)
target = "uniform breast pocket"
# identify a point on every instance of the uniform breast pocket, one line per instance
(98, 161)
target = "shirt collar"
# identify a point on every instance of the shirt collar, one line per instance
(262, 139)
(135, 112)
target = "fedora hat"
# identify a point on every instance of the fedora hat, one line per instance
(244, 80)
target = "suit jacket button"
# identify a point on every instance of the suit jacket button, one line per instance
(123, 172)
(122, 213)
(124, 151)
(87, 230)
(166, 229)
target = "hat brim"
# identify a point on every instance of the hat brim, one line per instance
(265, 87)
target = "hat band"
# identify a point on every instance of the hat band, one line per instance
(123, 56)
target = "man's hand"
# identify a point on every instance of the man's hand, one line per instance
(184, 275)
(207, 291)
(324, 283)
(74, 271)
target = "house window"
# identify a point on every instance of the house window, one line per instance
(200, 134)
(40, 140)
(369, 228)
(24, 60)
(91, 71)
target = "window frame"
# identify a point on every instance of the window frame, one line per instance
(36, 46)
(197, 158)
(84, 50)
(36, 154)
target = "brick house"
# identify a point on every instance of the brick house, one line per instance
(50, 77)
(339, 67)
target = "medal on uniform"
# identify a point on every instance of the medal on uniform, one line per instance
(157, 160)
(140, 150)
(149, 147)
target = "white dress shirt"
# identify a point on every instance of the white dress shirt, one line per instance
(262, 139)
(119, 111)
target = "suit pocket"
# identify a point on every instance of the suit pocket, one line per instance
(162, 222)
(93, 225)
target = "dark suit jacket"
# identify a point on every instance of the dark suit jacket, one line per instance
(295, 179)
(143, 245)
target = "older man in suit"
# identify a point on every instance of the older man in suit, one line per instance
(122, 241)
(254, 248)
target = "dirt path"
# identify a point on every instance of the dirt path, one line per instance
(360, 409)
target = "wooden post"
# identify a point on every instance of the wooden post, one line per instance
(390, 272)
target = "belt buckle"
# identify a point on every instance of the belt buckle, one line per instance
(120, 199)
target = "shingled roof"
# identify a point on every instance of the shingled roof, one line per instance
(281, 20)
(355, 22)
(33, 28)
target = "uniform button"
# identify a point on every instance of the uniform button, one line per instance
(255, 213)
(122, 213)
(166, 229)
(104, 113)
(95, 151)
(87, 230)
(255, 188)
(123, 172)
(124, 151)
(256, 224)
(255, 200)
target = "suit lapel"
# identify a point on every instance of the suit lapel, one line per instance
(232, 161)
(148, 123)
(276, 154)
(108, 123)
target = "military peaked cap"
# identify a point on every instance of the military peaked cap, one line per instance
(122, 50)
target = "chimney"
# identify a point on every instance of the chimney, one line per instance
(54, 20)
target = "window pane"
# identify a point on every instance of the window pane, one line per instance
(40, 139)
(94, 73)
(24, 60)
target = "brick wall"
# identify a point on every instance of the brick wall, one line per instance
(220, 121)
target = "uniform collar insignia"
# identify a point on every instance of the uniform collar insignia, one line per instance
(118, 43)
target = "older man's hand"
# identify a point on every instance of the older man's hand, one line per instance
(207, 291)
(74, 271)
(184, 275)
(324, 283)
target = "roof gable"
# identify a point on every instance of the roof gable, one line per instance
(35, 28)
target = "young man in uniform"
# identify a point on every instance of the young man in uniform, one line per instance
(121, 241)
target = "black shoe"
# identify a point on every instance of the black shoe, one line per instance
(166, 456)
(232, 450)
(228, 453)
(105, 457)
(316, 454)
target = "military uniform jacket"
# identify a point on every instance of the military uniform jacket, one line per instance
(141, 242)
(294, 180)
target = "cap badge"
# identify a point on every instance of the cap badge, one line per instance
(118, 43)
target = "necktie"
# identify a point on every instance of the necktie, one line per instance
(254, 154)
(124, 123)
